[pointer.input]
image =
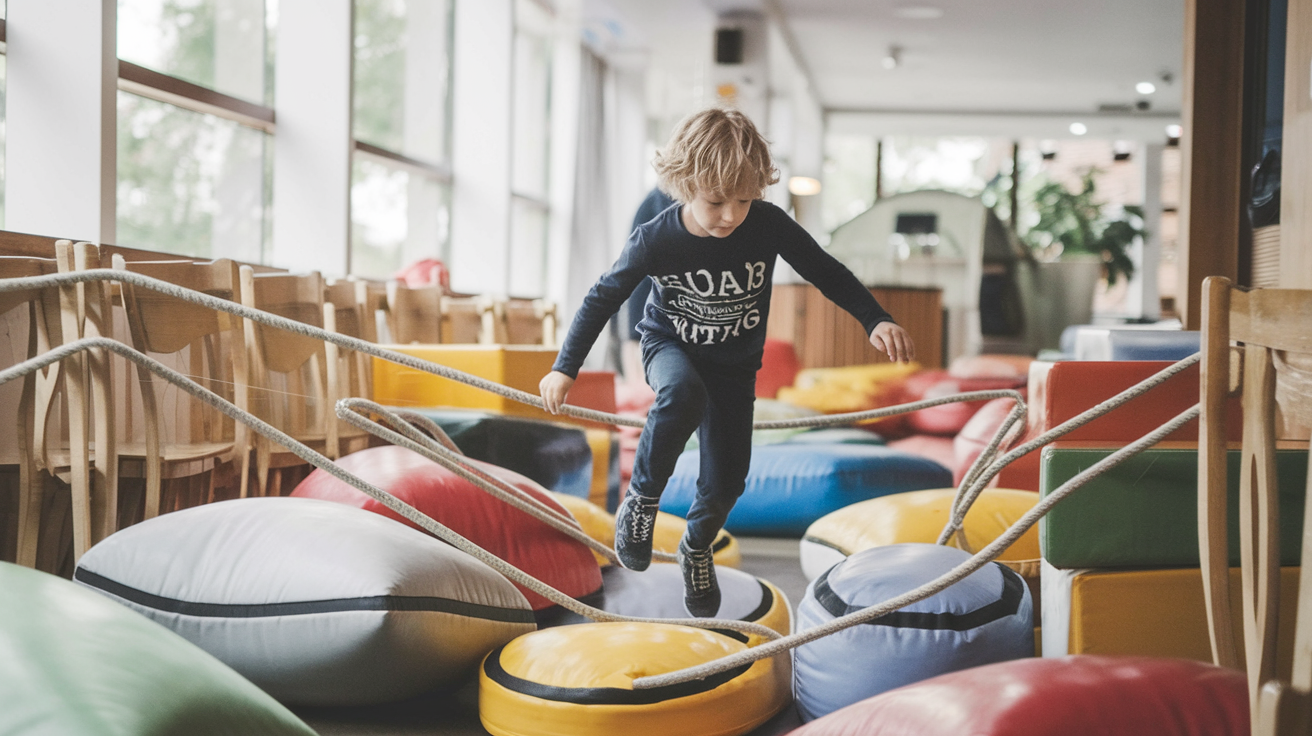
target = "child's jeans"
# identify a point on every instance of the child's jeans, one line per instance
(714, 399)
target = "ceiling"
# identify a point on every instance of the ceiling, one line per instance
(1029, 67)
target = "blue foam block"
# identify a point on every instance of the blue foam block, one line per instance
(789, 486)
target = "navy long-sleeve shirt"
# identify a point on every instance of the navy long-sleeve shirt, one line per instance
(712, 294)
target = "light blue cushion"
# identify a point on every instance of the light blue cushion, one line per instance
(985, 618)
(790, 485)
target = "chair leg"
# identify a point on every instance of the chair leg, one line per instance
(29, 514)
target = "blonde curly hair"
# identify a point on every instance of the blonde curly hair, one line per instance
(717, 151)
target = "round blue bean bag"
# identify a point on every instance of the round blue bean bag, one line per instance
(789, 485)
(982, 619)
(317, 603)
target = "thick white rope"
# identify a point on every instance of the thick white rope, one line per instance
(960, 572)
(966, 497)
(392, 502)
(443, 451)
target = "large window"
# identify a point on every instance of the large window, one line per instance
(400, 180)
(194, 115)
(531, 116)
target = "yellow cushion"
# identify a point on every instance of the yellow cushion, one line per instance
(919, 516)
(577, 681)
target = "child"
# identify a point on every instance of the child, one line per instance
(710, 256)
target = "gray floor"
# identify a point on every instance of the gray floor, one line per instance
(456, 713)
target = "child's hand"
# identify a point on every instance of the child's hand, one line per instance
(555, 387)
(893, 341)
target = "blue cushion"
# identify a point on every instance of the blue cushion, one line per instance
(1134, 343)
(789, 486)
(987, 617)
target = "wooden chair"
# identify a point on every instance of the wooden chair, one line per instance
(526, 322)
(43, 332)
(468, 320)
(414, 315)
(215, 356)
(287, 368)
(1273, 368)
(82, 453)
(346, 371)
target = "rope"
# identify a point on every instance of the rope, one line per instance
(965, 498)
(958, 573)
(392, 502)
(441, 449)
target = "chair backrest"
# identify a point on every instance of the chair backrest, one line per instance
(526, 322)
(469, 320)
(297, 297)
(166, 325)
(414, 315)
(1259, 343)
(371, 296)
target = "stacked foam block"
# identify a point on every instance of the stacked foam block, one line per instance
(1120, 556)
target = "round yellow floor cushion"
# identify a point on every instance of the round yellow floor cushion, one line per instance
(578, 681)
(919, 516)
(600, 525)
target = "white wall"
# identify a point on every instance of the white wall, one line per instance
(61, 118)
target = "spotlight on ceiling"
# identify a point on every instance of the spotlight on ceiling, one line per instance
(1173, 133)
(803, 186)
(893, 59)
(1121, 150)
(1145, 88)
(1079, 129)
(918, 12)
(1048, 149)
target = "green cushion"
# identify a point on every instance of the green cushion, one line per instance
(76, 663)
(1144, 512)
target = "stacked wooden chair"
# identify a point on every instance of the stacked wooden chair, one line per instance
(1256, 343)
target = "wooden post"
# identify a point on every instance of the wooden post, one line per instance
(1296, 152)
(1212, 116)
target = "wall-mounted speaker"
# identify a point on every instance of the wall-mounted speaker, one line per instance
(729, 46)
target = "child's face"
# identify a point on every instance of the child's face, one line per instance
(716, 215)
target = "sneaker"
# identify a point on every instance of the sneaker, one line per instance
(701, 592)
(634, 522)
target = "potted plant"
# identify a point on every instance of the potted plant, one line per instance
(1075, 222)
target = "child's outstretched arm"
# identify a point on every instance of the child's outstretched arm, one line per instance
(893, 341)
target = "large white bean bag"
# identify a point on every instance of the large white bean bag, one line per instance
(315, 602)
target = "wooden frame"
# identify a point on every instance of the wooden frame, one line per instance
(1270, 324)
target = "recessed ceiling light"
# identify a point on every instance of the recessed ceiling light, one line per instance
(1145, 88)
(918, 12)
(893, 59)
(1079, 128)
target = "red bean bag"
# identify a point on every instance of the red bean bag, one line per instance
(779, 367)
(938, 449)
(497, 527)
(1066, 696)
(948, 419)
(991, 366)
(976, 435)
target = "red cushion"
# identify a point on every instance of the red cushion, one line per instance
(1066, 696)
(948, 419)
(976, 435)
(938, 449)
(499, 528)
(779, 368)
(1061, 391)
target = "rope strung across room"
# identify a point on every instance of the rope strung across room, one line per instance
(409, 361)
(392, 502)
(441, 447)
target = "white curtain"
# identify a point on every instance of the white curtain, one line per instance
(591, 249)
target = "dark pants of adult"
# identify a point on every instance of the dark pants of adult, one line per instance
(716, 401)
